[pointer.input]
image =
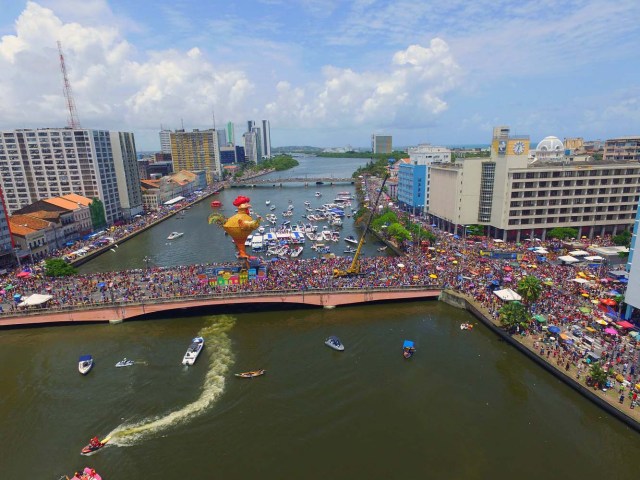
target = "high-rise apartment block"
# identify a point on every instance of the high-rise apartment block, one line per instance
(222, 138)
(165, 141)
(231, 134)
(622, 149)
(43, 163)
(6, 244)
(251, 146)
(196, 150)
(381, 143)
(266, 138)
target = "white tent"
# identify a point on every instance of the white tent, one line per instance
(594, 258)
(578, 253)
(497, 240)
(507, 295)
(35, 299)
(568, 259)
(541, 251)
(580, 280)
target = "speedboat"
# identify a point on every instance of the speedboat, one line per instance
(351, 239)
(408, 349)
(174, 235)
(87, 474)
(268, 202)
(318, 194)
(254, 373)
(125, 363)
(466, 326)
(193, 351)
(350, 250)
(94, 445)
(85, 364)
(335, 343)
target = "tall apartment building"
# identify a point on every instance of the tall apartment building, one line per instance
(196, 150)
(251, 146)
(517, 199)
(412, 180)
(222, 138)
(381, 143)
(425, 154)
(165, 141)
(51, 162)
(7, 257)
(231, 134)
(622, 148)
(266, 138)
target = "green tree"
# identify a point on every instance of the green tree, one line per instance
(530, 289)
(475, 230)
(623, 239)
(98, 217)
(562, 233)
(398, 232)
(513, 314)
(598, 374)
(57, 267)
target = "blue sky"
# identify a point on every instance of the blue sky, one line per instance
(327, 72)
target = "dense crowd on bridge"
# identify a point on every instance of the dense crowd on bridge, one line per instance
(450, 262)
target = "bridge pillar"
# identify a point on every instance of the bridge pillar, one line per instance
(329, 307)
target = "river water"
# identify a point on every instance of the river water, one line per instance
(466, 406)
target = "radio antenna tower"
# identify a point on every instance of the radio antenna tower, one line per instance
(74, 121)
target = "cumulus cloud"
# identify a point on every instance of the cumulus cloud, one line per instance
(412, 87)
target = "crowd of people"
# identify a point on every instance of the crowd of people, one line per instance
(464, 265)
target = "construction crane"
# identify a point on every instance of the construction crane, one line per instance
(74, 121)
(354, 268)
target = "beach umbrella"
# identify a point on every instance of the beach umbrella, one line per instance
(586, 295)
(584, 310)
(433, 275)
(554, 329)
(507, 268)
(549, 283)
(633, 333)
(600, 321)
(595, 302)
(608, 301)
(610, 331)
(401, 265)
(625, 324)
(613, 292)
(101, 285)
(590, 329)
(540, 318)
(8, 287)
(455, 262)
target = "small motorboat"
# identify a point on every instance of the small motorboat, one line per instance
(216, 204)
(125, 362)
(466, 326)
(382, 249)
(335, 343)
(87, 474)
(351, 239)
(85, 364)
(408, 349)
(193, 351)
(254, 373)
(94, 445)
(174, 235)
(350, 250)
(267, 202)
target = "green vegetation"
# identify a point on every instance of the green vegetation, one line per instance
(98, 217)
(376, 168)
(530, 289)
(377, 156)
(398, 233)
(57, 267)
(513, 314)
(623, 239)
(280, 162)
(598, 375)
(475, 230)
(562, 233)
(480, 154)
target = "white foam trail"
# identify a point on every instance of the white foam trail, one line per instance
(218, 347)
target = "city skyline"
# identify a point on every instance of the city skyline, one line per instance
(326, 73)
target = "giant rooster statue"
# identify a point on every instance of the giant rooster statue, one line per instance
(238, 226)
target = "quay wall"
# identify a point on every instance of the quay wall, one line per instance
(459, 300)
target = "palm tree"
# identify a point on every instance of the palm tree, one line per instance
(513, 314)
(529, 288)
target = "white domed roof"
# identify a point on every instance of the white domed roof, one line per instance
(550, 144)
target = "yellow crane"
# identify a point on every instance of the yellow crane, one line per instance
(354, 268)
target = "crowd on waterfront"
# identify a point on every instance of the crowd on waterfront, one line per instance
(574, 308)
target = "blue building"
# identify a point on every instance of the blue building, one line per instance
(227, 155)
(240, 158)
(632, 294)
(412, 187)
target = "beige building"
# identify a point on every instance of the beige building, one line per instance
(516, 199)
(622, 148)
(196, 150)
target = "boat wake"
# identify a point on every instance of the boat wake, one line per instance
(218, 347)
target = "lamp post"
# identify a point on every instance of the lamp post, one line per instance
(16, 250)
(146, 261)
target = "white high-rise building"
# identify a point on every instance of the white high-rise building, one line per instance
(222, 138)
(51, 162)
(425, 154)
(251, 146)
(165, 141)
(266, 138)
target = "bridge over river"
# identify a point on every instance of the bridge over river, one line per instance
(274, 182)
(120, 311)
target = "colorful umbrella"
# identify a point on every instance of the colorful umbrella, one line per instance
(540, 318)
(433, 275)
(584, 310)
(554, 329)
(601, 321)
(610, 331)
(625, 324)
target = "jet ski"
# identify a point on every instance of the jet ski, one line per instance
(125, 363)
(94, 445)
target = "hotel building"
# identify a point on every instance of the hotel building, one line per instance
(622, 148)
(517, 199)
(51, 162)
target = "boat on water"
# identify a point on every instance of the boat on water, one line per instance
(87, 474)
(216, 204)
(94, 445)
(125, 362)
(174, 235)
(267, 202)
(295, 252)
(350, 250)
(466, 326)
(254, 373)
(85, 364)
(272, 208)
(382, 249)
(335, 343)
(193, 351)
(408, 349)
(318, 194)
(351, 239)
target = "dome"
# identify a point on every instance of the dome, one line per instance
(550, 144)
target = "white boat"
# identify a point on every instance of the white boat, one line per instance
(272, 208)
(174, 235)
(85, 364)
(335, 343)
(268, 202)
(193, 351)
(318, 194)
(351, 239)
(296, 252)
(125, 363)
(350, 250)
(307, 203)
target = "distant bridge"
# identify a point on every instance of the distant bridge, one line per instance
(277, 182)
(120, 311)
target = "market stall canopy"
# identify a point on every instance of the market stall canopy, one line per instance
(580, 280)
(507, 295)
(568, 259)
(541, 251)
(578, 253)
(24, 274)
(35, 299)
(601, 321)
(610, 331)
(540, 318)
(553, 329)
(594, 258)
(497, 240)
(625, 324)
(584, 309)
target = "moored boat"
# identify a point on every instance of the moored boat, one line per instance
(335, 343)
(94, 445)
(216, 204)
(85, 364)
(125, 362)
(174, 235)
(87, 474)
(193, 351)
(408, 349)
(351, 239)
(254, 373)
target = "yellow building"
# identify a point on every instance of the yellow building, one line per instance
(196, 150)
